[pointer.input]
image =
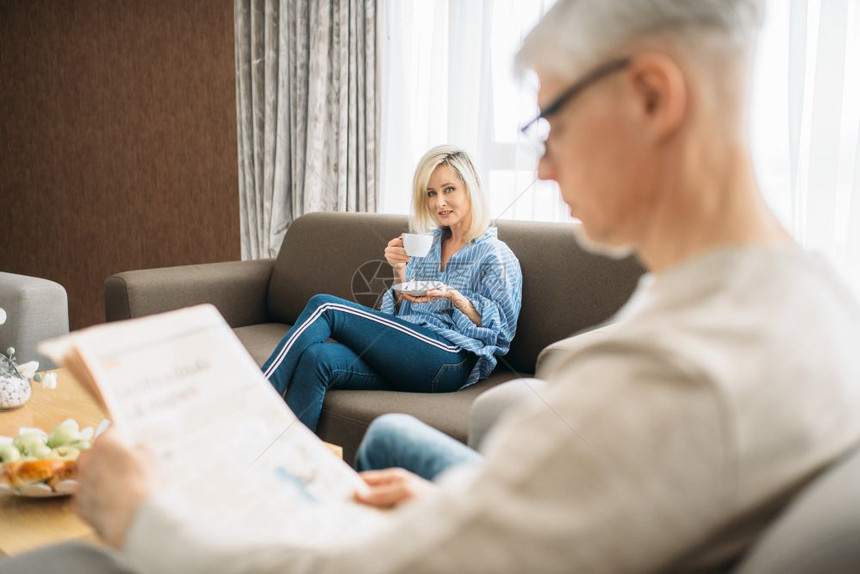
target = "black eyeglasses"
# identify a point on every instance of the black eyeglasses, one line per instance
(596, 74)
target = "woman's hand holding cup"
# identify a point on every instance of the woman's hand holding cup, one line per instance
(400, 250)
(395, 254)
(444, 292)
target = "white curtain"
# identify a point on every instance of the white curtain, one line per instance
(447, 78)
(805, 124)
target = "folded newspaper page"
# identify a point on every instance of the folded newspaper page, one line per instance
(229, 450)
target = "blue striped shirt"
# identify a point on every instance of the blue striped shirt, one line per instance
(486, 272)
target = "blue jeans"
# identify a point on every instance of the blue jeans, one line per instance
(374, 351)
(403, 441)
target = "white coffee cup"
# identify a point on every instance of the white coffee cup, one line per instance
(417, 245)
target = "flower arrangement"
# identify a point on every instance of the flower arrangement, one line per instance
(15, 379)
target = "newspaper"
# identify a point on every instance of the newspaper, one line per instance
(230, 452)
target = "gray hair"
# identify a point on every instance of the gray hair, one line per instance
(574, 34)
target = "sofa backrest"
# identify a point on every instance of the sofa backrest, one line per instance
(565, 289)
(332, 253)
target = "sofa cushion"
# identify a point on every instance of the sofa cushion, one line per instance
(260, 340)
(565, 289)
(347, 414)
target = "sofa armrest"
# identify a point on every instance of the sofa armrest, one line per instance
(36, 309)
(238, 289)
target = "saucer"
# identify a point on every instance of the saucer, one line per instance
(417, 288)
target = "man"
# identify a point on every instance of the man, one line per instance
(667, 442)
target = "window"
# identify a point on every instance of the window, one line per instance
(448, 77)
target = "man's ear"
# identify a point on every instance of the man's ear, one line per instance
(660, 94)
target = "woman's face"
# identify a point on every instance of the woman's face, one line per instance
(448, 200)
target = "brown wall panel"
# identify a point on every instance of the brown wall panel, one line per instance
(117, 140)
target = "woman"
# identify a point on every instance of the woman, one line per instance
(443, 341)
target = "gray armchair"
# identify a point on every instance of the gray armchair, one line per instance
(819, 531)
(36, 309)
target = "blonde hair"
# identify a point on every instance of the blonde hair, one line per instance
(459, 162)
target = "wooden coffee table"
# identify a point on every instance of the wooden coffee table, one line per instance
(31, 522)
(27, 523)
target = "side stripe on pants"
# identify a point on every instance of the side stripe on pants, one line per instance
(339, 306)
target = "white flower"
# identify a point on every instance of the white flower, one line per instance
(2, 316)
(27, 370)
(49, 381)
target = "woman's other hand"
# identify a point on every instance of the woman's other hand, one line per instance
(433, 294)
(391, 487)
(455, 297)
(115, 478)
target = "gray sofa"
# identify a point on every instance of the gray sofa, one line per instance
(36, 309)
(565, 290)
(818, 531)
